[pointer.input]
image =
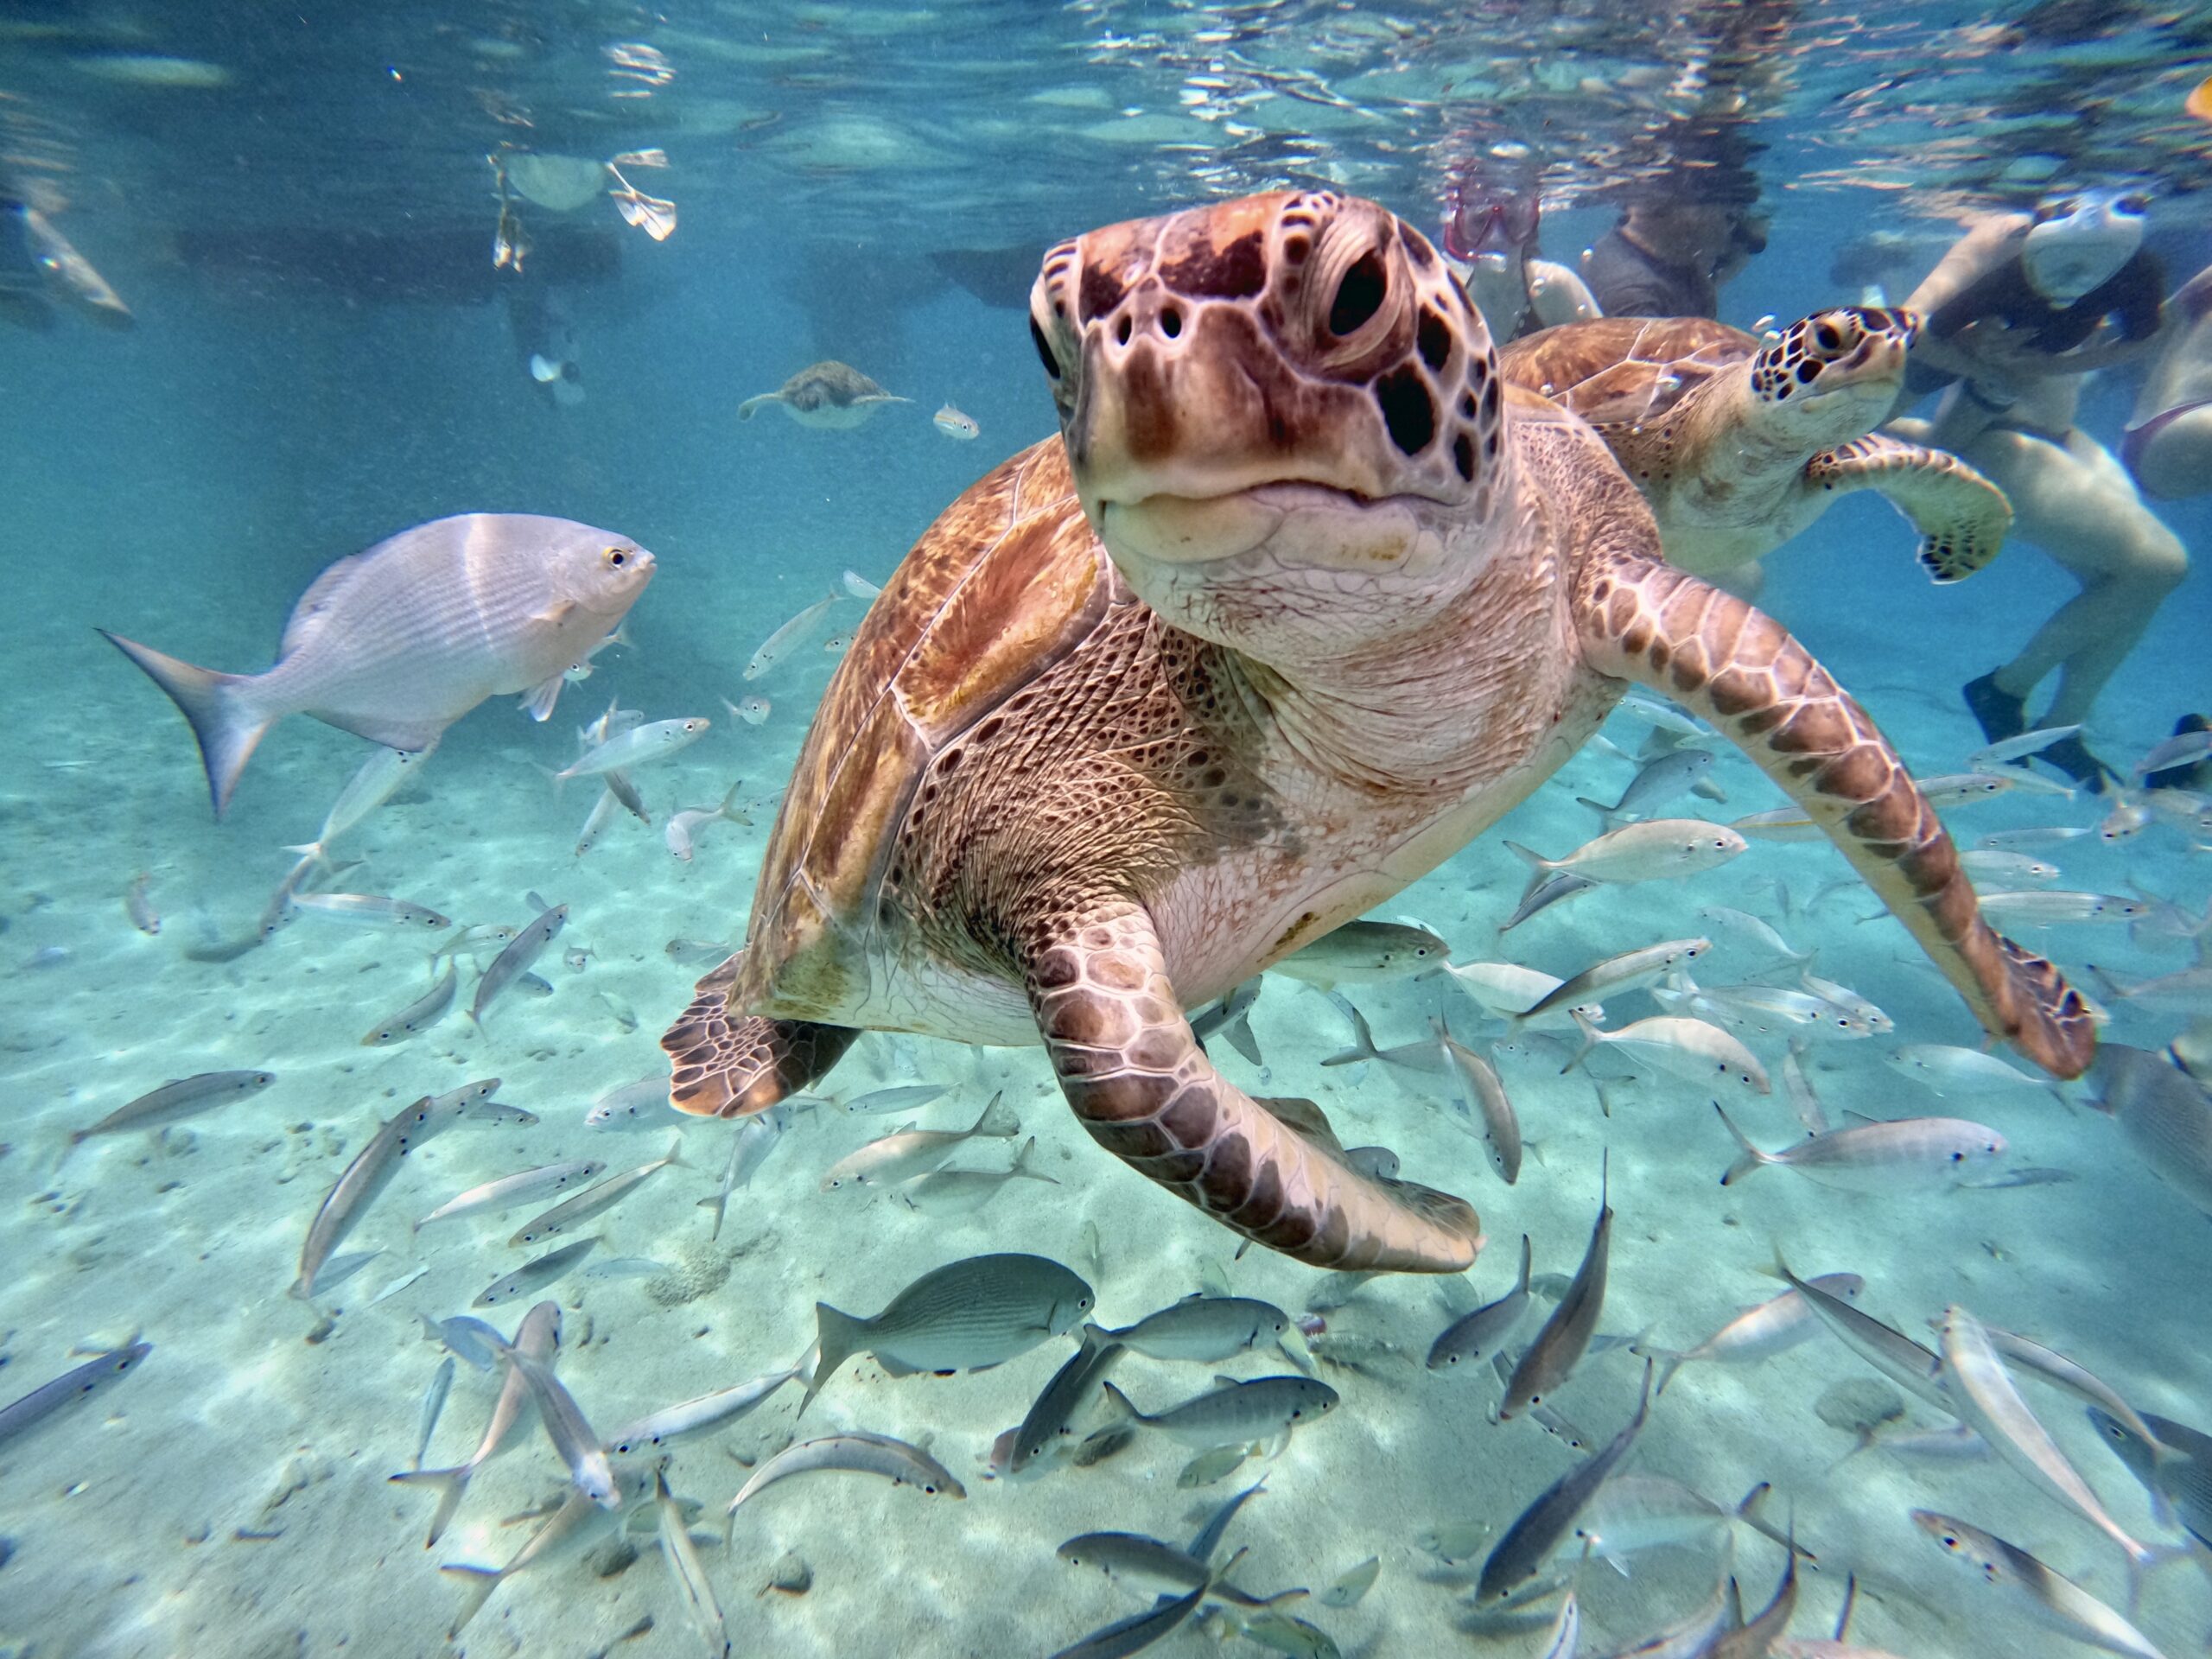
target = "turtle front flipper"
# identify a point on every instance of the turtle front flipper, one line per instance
(733, 1065)
(1142, 1086)
(1962, 516)
(1646, 622)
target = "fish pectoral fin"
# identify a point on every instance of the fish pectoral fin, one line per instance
(539, 705)
(555, 613)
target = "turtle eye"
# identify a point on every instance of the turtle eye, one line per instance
(1360, 294)
(1044, 350)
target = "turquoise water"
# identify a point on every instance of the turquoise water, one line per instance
(299, 213)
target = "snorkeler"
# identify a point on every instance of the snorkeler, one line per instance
(1672, 252)
(2017, 313)
(2168, 443)
(1490, 237)
(38, 265)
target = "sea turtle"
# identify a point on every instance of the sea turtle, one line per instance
(826, 394)
(1737, 445)
(1301, 599)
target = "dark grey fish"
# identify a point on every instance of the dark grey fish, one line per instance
(174, 1101)
(71, 1388)
(1472, 1336)
(1528, 1542)
(1137, 1632)
(1559, 1346)
(2183, 1481)
(1660, 781)
(1203, 1329)
(535, 1274)
(963, 1316)
(1543, 891)
(511, 963)
(1052, 1417)
(1236, 1413)
(1231, 1017)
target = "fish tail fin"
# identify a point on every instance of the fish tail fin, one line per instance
(481, 1581)
(1748, 1513)
(1590, 1037)
(838, 1336)
(1239, 1034)
(1534, 861)
(1363, 1040)
(1671, 1361)
(1527, 1257)
(1020, 1168)
(1118, 1408)
(997, 1121)
(674, 1156)
(1752, 1157)
(224, 721)
(453, 1486)
(1604, 813)
(314, 850)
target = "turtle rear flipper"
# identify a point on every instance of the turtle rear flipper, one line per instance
(1962, 516)
(733, 1065)
(1739, 668)
(1146, 1091)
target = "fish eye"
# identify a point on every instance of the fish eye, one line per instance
(2132, 202)
(617, 556)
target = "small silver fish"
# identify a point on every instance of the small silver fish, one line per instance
(861, 1454)
(2042, 908)
(1482, 1096)
(629, 1103)
(950, 421)
(705, 1414)
(1560, 1345)
(511, 963)
(434, 1405)
(656, 741)
(378, 779)
(792, 634)
(859, 585)
(1203, 1330)
(958, 1192)
(1628, 971)
(1690, 1049)
(174, 1101)
(684, 827)
(1990, 757)
(537, 1335)
(1773, 1327)
(1658, 849)
(371, 910)
(689, 1572)
(2164, 1115)
(1659, 781)
(751, 710)
(2048, 1597)
(593, 1201)
(905, 1154)
(523, 1187)
(72, 1387)
(756, 1137)
(1235, 1413)
(1362, 952)
(417, 1016)
(899, 1097)
(1894, 1156)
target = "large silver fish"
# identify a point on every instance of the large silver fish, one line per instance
(397, 643)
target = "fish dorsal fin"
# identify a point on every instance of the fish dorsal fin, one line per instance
(1306, 1119)
(307, 618)
(1863, 1117)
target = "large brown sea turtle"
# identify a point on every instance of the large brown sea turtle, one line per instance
(1302, 599)
(825, 394)
(1738, 445)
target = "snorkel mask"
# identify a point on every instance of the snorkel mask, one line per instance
(2077, 243)
(1495, 230)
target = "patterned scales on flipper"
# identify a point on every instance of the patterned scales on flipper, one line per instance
(733, 1065)
(1961, 517)
(1741, 670)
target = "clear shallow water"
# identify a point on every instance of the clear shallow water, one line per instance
(324, 355)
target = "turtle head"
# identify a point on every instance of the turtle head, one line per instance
(1286, 393)
(1834, 375)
